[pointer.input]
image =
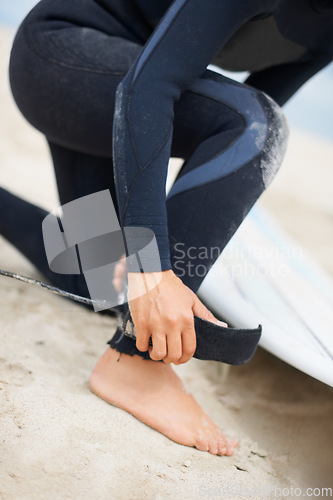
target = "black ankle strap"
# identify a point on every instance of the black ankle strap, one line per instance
(234, 346)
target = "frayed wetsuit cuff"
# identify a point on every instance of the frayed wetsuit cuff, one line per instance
(123, 344)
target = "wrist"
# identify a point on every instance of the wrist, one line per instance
(141, 283)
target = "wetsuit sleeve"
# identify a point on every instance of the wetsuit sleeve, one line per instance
(189, 35)
(281, 82)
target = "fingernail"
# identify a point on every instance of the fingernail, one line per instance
(221, 323)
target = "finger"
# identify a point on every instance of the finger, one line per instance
(174, 348)
(189, 344)
(159, 348)
(142, 336)
(201, 311)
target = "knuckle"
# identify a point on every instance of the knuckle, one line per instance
(210, 317)
(174, 357)
(188, 320)
(172, 321)
(188, 351)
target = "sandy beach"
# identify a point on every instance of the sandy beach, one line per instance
(59, 441)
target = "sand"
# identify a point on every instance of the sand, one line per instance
(59, 441)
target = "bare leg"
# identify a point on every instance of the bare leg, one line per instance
(153, 393)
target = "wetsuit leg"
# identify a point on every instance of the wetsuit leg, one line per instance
(227, 172)
(233, 139)
(77, 175)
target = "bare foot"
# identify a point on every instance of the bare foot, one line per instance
(153, 393)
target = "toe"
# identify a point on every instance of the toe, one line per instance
(202, 443)
(230, 451)
(231, 444)
(213, 446)
(222, 447)
(225, 446)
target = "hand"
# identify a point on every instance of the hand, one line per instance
(163, 309)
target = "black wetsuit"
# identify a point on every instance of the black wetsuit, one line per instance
(79, 70)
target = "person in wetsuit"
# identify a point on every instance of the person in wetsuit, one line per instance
(118, 87)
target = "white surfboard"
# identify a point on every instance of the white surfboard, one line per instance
(264, 277)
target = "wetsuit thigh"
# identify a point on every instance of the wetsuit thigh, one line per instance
(65, 83)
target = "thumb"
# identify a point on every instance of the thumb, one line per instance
(200, 310)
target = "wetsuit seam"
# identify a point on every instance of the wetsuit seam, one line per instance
(231, 109)
(135, 78)
(132, 135)
(163, 143)
(252, 161)
(132, 185)
(142, 21)
(67, 66)
(226, 176)
(140, 167)
(133, 81)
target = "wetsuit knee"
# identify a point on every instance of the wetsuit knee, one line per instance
(276, 137)
(258, 145)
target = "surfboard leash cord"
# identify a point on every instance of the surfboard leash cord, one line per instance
(54, 289)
